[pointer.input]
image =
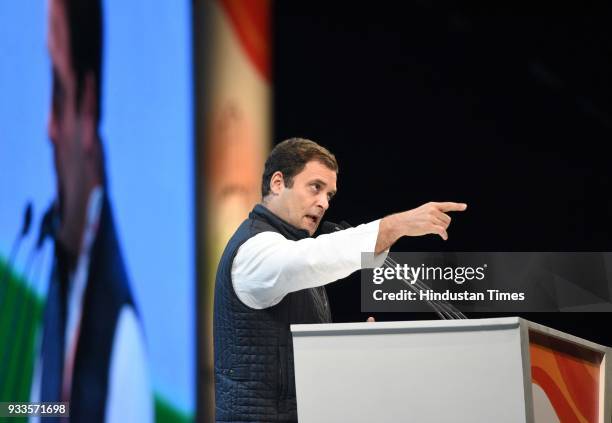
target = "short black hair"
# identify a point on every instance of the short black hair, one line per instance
(85, 25)
(290, 157)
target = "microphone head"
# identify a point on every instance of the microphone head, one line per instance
(48, 225)
(345, 225)
(27, 219)
(327, 227)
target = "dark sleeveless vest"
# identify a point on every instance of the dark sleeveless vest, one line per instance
(254, 372)
(106, 293)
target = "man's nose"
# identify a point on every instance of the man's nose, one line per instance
(323, 202)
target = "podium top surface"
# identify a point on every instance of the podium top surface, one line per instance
(420, 326)
(404, 326)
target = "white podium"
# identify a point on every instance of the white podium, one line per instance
(503, 370)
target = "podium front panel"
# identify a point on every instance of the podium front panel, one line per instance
(427, 372)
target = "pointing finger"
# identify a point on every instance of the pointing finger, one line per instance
(450, 206)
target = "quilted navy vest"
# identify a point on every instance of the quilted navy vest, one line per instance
(254, 373)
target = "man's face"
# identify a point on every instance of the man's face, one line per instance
(304, 204)
(64, 124)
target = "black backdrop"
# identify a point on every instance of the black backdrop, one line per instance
(505, 110)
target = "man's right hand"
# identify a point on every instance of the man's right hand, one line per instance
(430, 218)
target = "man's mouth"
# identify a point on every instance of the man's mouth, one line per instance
(314, 219)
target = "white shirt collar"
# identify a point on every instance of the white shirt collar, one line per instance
(78, 280)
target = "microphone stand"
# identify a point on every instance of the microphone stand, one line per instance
(443, 309)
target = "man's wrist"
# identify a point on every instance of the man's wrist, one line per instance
(389, 231)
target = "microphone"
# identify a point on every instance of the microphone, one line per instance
(22, 316)
(443, 309)
(25, 228)
(48, 225)
(328, 227)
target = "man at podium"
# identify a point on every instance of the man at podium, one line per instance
(273, 274)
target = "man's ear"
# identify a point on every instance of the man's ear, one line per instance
(88, 113)
(277, 182)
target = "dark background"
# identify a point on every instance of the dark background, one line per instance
(507, 110)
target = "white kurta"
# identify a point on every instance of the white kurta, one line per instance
(269, 266)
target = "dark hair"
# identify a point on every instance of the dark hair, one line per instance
(290, 157)
(85, 25)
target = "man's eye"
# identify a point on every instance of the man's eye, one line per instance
(316, 187)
